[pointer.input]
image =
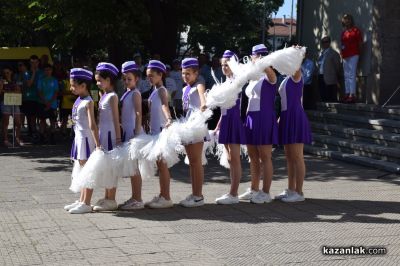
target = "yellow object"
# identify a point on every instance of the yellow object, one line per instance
(23, 53)
(68, 98)
(12, 98)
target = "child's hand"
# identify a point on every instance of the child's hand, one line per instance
(203, 108)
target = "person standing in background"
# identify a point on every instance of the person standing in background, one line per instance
(307, 69)
(350, 51)
(329, 70)
(176, 75)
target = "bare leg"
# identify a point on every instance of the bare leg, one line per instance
(254, 166)
(197, 170)
(235, 167)
(111, 193)
(6, 117)
(290, 168)
(299, 166)
(265, 152)
(82, 196)
(136, 184)
(87, 195)
(164, 179)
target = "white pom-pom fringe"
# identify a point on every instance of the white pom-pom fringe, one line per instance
(75, 184)
(287, 61)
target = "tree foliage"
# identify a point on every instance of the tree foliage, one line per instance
(118, 28)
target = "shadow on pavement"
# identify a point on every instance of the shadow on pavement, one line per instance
(312, 210)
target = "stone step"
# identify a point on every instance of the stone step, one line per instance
(366, 110)
(353, 159)
(359, 148)
(358, 134)
(357, 121)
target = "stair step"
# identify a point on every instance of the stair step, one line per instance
(368, 110)
(352, 158)
(353, 120)
(358, 134)
(360, 148)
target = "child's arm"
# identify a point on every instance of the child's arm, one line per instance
(270, 75)
(115, 114)
(137, 102)
(92, 124)
(202, 89)
(165, 107)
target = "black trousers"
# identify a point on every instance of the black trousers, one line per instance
(328, 93)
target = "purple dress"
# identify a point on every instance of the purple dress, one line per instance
(293, 124)
(231, 128)
(261, 126)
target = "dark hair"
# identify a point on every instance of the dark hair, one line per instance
(326, 39)
(34, 57)
(22, 63)
(163, 75)
(47, 66)
(350, 18)
(262, 53)
(136, 73)
(107, 74)
(88, 83)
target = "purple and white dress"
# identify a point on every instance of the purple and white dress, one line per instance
(106, 122)
(191, 102)
(157, 116)
(232, 130)
(293, 124)
(261, 127)
(128, 115)
(83, 144)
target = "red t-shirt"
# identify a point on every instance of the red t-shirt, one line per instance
(351, 40)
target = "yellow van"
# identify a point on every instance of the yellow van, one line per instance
(11, 55)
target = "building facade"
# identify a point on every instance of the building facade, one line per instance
(379, 21)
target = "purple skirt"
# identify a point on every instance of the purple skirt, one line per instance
(231, 129)
(294, 128)
(261, 128)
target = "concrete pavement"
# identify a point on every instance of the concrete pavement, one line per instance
(346, 205)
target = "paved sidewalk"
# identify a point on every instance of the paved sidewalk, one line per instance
(346, 205)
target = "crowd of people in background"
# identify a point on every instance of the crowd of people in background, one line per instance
(47, 100)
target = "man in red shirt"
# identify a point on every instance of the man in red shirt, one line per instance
(350, 51)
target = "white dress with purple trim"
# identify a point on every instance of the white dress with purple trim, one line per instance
(191, 103)
(106, 122)
(157, 116)
(83, 143)
(128, 115)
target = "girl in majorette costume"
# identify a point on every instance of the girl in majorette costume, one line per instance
(86, 133)
(131, 121)
(261, 130)
(109, 126)
(194, 99)
(294, 132)
(160, 117)
(232, 135)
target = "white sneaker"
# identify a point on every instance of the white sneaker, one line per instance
(160, 203)
(294, 197)
(284, 194)
(261, 197)
(192, 201)
(71, 206)
(81, 208)
(248, 194)
(227, 199)
(131, 204)
(105, 205)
